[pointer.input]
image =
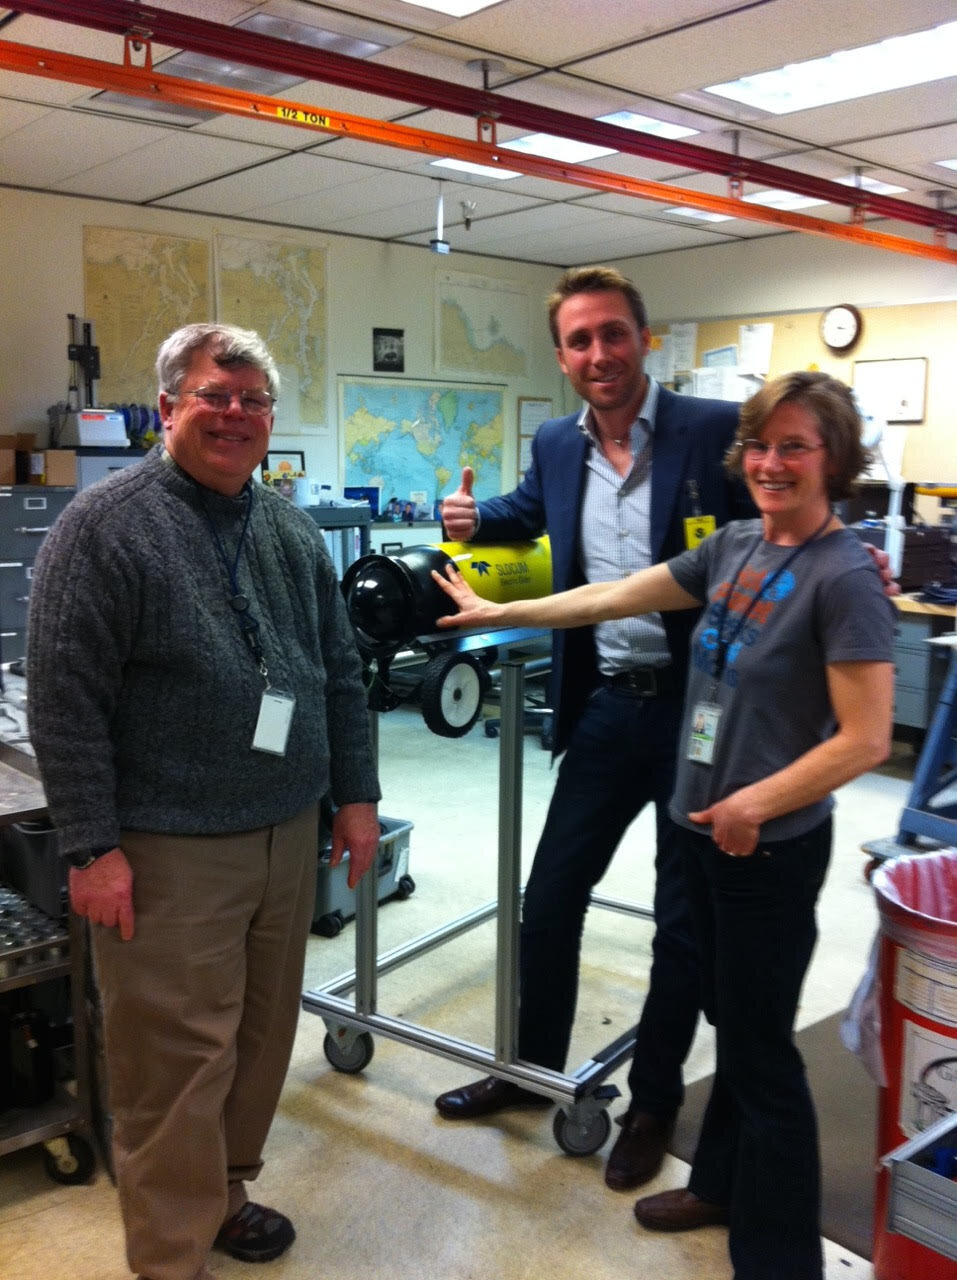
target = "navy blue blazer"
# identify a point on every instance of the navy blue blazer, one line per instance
(691, 438)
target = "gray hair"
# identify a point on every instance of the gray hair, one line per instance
(230, 346)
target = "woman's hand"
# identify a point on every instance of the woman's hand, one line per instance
(733, 829)
(473, 610)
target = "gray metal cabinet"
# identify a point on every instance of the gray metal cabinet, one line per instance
(27, 513)
(919, 667)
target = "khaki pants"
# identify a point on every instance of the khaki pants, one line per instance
(200, 1011)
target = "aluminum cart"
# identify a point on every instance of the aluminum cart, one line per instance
(581, 1123)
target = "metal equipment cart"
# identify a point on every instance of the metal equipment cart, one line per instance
(581, 1123)
(63, 1123)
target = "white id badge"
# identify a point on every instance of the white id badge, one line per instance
(275, 717)
(705, 719)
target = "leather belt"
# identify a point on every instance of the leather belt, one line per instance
(644, 682)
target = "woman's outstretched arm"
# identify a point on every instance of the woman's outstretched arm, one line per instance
(650, 591)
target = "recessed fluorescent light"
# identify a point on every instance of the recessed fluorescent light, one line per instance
(354, 40)
(871, 184)
(552, 148)
(850, 73)
(350, 43)
(948, 164)
(454, 8)
(775, 199)
(701, 215)
(646, 124)
(483, 170)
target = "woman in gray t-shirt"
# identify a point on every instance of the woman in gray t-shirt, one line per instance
(789, 695)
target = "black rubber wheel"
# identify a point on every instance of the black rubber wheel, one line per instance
(329, 925)
(405, 888)
(352, 1060)
(581, 1139)
(75, 1168)
(452, 691)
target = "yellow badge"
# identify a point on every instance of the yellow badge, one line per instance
(697, 528)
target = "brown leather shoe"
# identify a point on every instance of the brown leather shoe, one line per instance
(679, 1210)
(639, 1150)
(485, 1097)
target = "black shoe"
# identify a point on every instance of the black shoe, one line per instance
(640, 1149)
(255, 1234)
(485, 1097)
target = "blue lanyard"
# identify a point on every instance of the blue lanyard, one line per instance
(725, 642)
(239, 603)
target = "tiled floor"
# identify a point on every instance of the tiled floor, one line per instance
(378, 1184)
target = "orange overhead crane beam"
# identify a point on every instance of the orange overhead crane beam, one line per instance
(175, 30)
(143, 81)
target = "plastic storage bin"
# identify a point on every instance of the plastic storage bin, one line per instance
(917, 898)
(30, 862)
(336, 902)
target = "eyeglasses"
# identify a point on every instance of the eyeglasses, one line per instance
(787, 451)
(255, 404)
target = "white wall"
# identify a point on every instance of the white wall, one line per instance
(369, 284)
(372, 284)
(790, 272)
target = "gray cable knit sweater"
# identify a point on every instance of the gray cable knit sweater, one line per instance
(142, 694)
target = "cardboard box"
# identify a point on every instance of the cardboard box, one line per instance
(53, 467)
(8, 465)
(61, 467)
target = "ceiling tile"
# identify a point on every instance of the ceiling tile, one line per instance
(62, 143)
(168, 164)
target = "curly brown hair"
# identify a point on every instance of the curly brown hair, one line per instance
(838, 417)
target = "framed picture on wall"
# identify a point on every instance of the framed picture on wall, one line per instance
(892, 389)
(388, 350)
(283, 466)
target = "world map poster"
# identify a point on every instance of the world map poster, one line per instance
(407, 437)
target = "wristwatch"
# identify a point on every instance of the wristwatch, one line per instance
(80, 859)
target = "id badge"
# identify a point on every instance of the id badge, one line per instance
(705, 719)
(697, 528)
(275, 717)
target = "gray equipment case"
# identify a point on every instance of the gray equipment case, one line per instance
(335, 901)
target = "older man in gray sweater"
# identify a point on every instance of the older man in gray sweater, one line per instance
(194, 690)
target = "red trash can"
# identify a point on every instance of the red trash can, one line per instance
(917, 898)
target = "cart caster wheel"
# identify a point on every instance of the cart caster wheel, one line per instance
(69, 1160)
(352, 1059)
(491, 729)
(452, 691)
(581, 1138)
(405, 888)
(328, 926)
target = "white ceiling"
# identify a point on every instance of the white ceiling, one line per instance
(589, 57)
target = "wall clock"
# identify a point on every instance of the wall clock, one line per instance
(841, 327)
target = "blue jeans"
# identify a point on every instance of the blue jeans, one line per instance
(621, 756)
(758, 1151)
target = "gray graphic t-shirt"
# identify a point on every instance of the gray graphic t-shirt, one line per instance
(827, 605)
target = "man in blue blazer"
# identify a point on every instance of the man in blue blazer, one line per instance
(633, 479)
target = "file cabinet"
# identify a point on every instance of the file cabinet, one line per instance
(27, 513)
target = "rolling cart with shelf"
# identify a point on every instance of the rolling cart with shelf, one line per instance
(63, 1123)
(581, 1124)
